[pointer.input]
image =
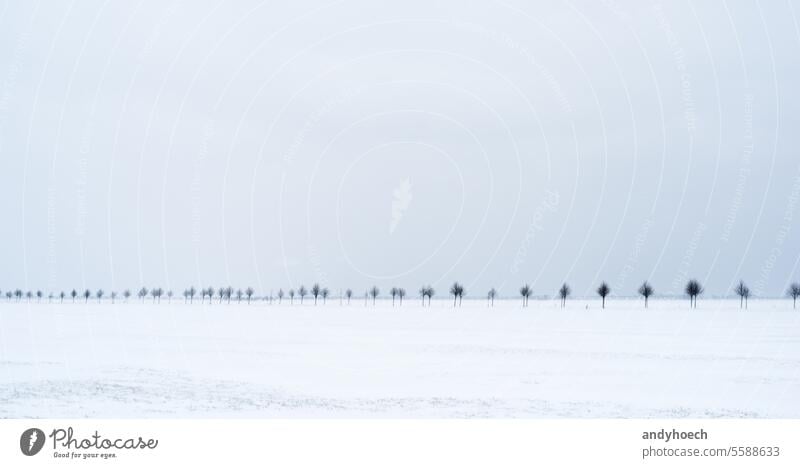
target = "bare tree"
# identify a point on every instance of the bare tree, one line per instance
(74, 294)
(393, 292)
(143, 293)
(325, 293)
(373, 292)
(315, 291)
(401, 293)
(794, 292)
(86, 295)
(29, 295)
(61, 296)
(564, 292)
(302, 293)
(603, 290)
(693, 289)
(280, 296)
(192, 291)
(126, 294)
(430, 293)
(291, 296)
(250, 291)
(525, 291)
(490, 297)
(348, 294)
(457, 291)
(39, 296)
(743, 292)
(169, 296)
(99, 295)
(423, 291)
(646, 291)
(113, 297)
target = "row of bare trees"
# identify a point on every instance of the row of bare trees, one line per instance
(693, 290)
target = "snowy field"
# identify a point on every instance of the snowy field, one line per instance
(135, 360)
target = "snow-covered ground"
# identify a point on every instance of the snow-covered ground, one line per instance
(144, 360)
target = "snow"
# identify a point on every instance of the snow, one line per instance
(259, 360)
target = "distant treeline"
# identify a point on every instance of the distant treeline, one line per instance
(692, 290)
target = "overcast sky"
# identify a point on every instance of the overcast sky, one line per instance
(355, 143)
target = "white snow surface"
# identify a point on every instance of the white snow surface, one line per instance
(183, 361)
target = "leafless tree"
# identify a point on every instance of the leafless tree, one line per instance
(315, 291)
(192, 291)
(603, 290)
(86, 295)
(301, 291)
(794, 291)
(525, 291)
(169, 296)
(291, 297)
(61, 296)
(646, 291)
(348, 294)
(99, 295)
(113, 297)
(564, 292)
(393, 293)
(457, 291)
(74, 294)
(743, 292)
(693, 289)
(490, 297)
(157, 293)
(374, 293)
(401, 293)
(39, 296)
(325, 293)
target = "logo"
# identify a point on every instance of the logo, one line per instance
(31, 441)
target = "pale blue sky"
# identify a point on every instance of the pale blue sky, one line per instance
(352, 143)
